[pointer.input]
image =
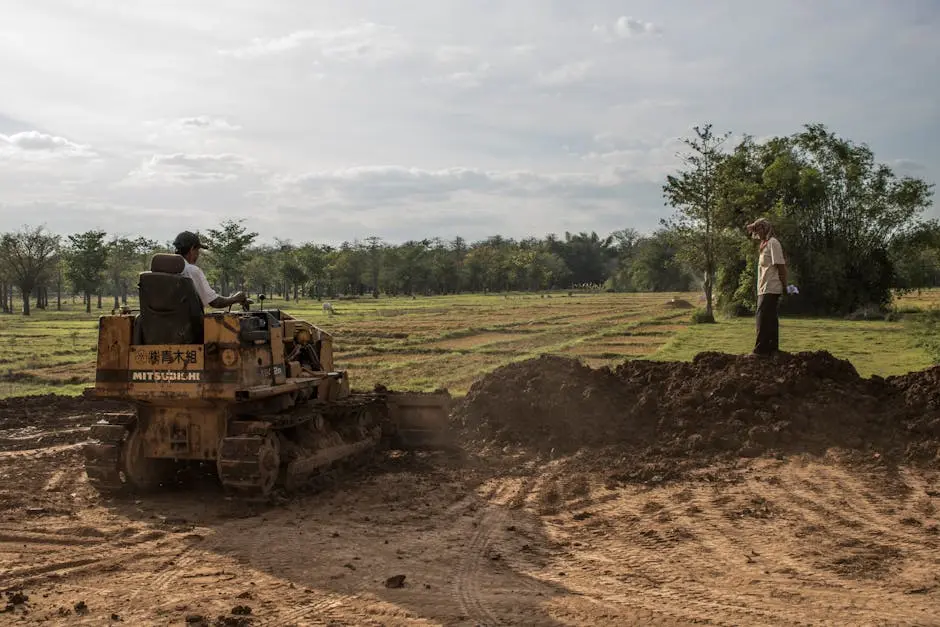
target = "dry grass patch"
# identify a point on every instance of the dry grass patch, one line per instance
(639, 339)
(607, 351)
(471, 342)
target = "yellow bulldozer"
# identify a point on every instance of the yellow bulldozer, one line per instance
(254, 391)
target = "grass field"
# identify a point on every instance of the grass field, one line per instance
(451, 341)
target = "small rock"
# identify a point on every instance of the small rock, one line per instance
(398, 581)
(245, 595)
(241, 610)
(115, 618)
(81, 608)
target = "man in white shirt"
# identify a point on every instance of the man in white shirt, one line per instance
(187, 245)
(771, 280)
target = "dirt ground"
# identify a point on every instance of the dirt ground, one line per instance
(742, 527)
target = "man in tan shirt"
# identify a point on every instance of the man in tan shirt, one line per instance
(771, 281)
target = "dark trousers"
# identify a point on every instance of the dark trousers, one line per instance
(768, 325)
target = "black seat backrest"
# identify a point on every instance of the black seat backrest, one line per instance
(170, 308)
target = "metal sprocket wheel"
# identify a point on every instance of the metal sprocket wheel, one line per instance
(138, 471)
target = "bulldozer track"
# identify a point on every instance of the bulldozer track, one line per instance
(103, 457)
(259, 456)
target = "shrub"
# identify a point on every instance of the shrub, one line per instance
(927, 330)
(700, 316)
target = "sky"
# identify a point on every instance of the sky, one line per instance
(340, 119)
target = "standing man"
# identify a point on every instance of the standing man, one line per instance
(771, 280)
(187, 245)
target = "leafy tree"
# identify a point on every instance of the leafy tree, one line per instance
(314, 260)
(375, 251)
(126, 257)
(589, 257)
(26, 257)
(229, 246)
(844, 220)
(86, 262)
(694, 192)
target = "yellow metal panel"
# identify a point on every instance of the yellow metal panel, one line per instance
(114, 339)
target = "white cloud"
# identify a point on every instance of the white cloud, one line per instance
(188, 169)
(512, 119)
(367, 186)
(625, 27)
(566, 74)
(28, 145)
(452, 54)
(366, 40)
(205, 122)
(465, 79)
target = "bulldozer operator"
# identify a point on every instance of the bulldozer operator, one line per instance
(188, 246)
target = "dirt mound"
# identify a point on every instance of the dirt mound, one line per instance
(25, 411)
(29, 422)
(716, 406)
(679, 303)
(921, 389)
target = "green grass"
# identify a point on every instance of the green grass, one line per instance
(883, 348)
(451, 341)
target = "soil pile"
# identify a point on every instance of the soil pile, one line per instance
(44, 420)
(715, 406)
(49, 409)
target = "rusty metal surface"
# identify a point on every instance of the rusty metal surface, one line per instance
(182, 432)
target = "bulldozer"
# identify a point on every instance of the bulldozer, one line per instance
(254, 392)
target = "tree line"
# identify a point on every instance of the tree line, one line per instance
(852, 230)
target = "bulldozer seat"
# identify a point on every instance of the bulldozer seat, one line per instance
(170, 308)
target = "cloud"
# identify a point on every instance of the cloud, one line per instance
(365, 41)
(368, 186)
(30, 145)
(297, 112)
(566, 74)
(188, 169)
(204, 122)
(465, 79)
(625, 27)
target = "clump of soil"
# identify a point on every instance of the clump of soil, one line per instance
(679, 303)
(44, 409)
(28, 422)
(716, 406)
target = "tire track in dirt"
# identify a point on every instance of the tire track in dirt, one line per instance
(658, 536)
(330, 607)
(727, 530)
(648, 558)
(467, 590)
(27, 538)
(91, 557)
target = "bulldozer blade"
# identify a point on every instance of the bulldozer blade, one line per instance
(420, 421)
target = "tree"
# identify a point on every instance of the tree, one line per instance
(844, 220)
(376, 251)
(229, 246)
(694, 193)
(125, 259)
(86, 262)
(26, 256)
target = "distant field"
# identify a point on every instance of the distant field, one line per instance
(451, 341)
